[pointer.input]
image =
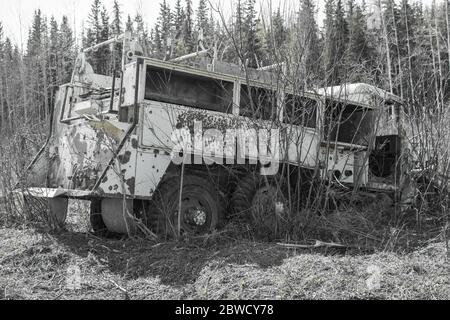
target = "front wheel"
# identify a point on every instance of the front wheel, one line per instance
(97, 224)
(58, 208)
(201, 207)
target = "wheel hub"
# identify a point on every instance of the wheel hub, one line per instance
(194, 215)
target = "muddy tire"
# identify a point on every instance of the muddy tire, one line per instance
(262, 201)
(97, 224)
(202, 209)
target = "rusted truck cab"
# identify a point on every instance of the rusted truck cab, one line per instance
(366, 125)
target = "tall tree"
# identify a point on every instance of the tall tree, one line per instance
(253, 46)
(116, 29)
(360, 53)
(165, 29)
(306, 45)
(142, 33)
(67, 47)
(105, 64)
(178, 20)
(187, 33)
(336, 42)
(54, 55)
(94, 34)
(204, 26)
(129, 24)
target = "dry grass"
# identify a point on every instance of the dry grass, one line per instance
(34, 265)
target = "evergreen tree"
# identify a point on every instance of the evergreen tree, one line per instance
(105, 62)
(2, 81)
(165, 29)
(306, 45)
(129, 25)
(54, 54)
(188, 37)
(253, 46)
(34, 44)
(116, 29)
(336, 42)
(157, 43)
(360, 53)
(94, 35)
(329, 50)
(67, 47)
(142, 34)
(341, 36)
(204, 25)
(178, 20)
(279, 30)
(36, 69)
(116, 26)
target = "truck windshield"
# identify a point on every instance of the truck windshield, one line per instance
(348, 123)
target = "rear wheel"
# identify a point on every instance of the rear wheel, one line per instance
(201, 207)
(263, 201)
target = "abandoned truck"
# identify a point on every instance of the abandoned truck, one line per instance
(130, 143)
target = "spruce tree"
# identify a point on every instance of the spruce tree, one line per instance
(116, 29)
(253, 47)
(129, 25)
(66, 45)
(54, 55)
(360, 54)
(178, 20)
(204, 25)
(306, 45)
(94, 35)
(142, 33)
(188, 37)
(106, 63)
(165, 29)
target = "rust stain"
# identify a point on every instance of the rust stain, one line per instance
(125, 158)
(131, 183)
(134, 143)
(108, 129)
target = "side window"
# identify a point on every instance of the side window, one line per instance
(188, 90)
(300, 111)
(258, 103)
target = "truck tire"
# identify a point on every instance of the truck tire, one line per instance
(97, 224)
(262, 201)
(202, 207)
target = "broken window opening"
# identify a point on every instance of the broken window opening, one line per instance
(188, 90)
(348, 123)
(258, 103)
(300, 111)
